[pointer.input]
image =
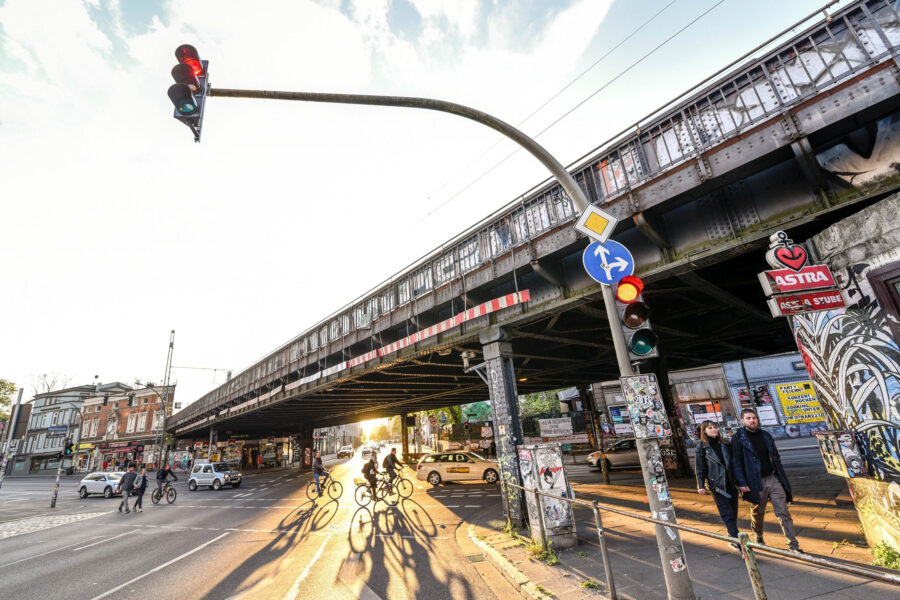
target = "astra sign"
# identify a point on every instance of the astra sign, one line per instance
(791, 304)
(780, 281)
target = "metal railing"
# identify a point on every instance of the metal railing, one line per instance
(747, 547)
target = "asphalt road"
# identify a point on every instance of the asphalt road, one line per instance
(263, 540)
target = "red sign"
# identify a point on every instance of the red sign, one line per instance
(799, 303)
(780, 281)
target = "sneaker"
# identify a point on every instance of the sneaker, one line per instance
(737, 547)
(120, 508)
(127, 511)
(795, 549)
(759, 540)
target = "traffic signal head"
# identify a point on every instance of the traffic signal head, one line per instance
(640, 340)
(190, 88)
(68, 448)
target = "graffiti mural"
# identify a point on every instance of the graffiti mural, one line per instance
(878, 504)
(855, 366)
(552, 480)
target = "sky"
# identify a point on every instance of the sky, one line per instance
(117, 227)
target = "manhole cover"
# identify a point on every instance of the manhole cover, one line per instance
(473, 558)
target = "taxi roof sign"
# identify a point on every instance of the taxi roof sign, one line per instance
(596, 224)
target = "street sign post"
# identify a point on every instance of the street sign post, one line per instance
(607, 263)
(596, 224)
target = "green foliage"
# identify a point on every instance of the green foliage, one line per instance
(481, 410)
(538, 403)
(886, 556)
(7, 390)
(590, 584)
(538, 552)
(582, 554)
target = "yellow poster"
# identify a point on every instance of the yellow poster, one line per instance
(799, 402)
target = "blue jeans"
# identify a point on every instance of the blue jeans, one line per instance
(324, 476)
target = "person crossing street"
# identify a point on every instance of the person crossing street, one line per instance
(126, 484)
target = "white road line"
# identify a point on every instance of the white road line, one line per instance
(472, 506)
(102, 541)
(93, 537)
(295, 589)
(160, 567)
(451, 506)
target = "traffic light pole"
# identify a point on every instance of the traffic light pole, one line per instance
(62, 456)
(678, 582)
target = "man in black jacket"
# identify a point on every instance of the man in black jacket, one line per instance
(370, 471)
(126, 484)
(760, 476)
(392, 464)
(319, 471)
(162, 476)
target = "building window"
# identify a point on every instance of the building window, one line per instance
(129, 427)
(142, 421)
(157, 420)
(111, 430)
(886, 285)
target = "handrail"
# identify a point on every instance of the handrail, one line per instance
(798, 556)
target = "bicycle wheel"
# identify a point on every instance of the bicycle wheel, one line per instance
(362, 495)
(311, 492)
(335, 489)
(155, 497)
(389, 494)
(405, 487)
(171, 495)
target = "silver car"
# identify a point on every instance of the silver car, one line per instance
(213, 475)
(622, 455)
(100, 482)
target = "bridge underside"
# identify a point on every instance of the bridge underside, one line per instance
(708, 315)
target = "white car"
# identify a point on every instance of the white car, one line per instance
(456, 466)
(100, 482)
(622, 455)
(214, 475)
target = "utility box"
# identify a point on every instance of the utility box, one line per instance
(841, 454)
(542, 469)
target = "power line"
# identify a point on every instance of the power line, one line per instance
(571, 110)
(546, 102)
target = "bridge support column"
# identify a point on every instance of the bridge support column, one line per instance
(404, 438)
(507, 428)
(590, 416)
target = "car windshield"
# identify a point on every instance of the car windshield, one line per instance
(475, 456)
(222, 467)
(116, 475)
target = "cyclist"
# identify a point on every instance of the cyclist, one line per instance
(370, 471)
(319, 471)
(392, 464)
(162, 477)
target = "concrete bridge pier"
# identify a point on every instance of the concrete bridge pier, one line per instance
(404, 438)
(501, 378)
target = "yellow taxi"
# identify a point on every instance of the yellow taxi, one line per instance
(456, 466)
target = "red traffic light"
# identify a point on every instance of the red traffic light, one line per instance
(629, 288)
(188, 55)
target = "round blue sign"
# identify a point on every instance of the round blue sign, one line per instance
(608, 262)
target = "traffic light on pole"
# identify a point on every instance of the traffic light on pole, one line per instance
(190, 89)
(640, 340)
(68, 448)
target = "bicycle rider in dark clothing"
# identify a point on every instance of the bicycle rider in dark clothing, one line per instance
(370, 471)
(391, 464)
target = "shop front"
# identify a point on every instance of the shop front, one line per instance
(84, 454)
(115, 456)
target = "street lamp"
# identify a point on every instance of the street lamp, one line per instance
(161, 438)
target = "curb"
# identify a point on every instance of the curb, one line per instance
(526, 587)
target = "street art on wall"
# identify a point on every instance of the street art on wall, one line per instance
(854, 364)
(552, 480)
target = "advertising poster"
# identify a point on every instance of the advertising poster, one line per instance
(552, 480)
(648, 416)
(555, 427)
(799, 402)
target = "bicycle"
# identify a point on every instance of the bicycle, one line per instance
(404, 486)
(167, 490)
(331, 486)
(387, 490)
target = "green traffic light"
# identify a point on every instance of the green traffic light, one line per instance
(643, 342)
(187, 108)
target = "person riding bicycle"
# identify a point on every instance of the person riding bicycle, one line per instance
(392, 464)
(162, 477)
(319, 471)
(370, 471)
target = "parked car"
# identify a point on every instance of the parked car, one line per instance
(345, 451)
(365, 451)
(100, 482)
(214, 475)
(621, 455)
(456, 466)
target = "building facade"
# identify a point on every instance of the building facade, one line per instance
(124, 427)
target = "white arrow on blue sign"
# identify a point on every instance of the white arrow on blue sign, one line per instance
(607, 263)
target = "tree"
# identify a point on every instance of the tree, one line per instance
(538, 403)
(7, 389)
(481, 410)
(49, 382)
(380, 433)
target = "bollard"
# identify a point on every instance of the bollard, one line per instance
(540, 512)
(604, 469)
(603, 553)
(759, 592)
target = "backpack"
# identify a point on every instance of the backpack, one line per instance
(367, 468)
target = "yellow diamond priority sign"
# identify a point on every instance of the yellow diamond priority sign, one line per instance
(596, 224)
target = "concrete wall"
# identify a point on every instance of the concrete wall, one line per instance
(854, 361)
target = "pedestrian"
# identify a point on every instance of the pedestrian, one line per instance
(759, 474)
(105, 465)
(126, 484)
(258, 462)
(493, 449)
(140, 486)
(716, 475)
(162, 477)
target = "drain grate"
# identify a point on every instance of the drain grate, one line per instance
(473, 558)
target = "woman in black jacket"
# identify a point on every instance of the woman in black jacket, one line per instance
(715, 476)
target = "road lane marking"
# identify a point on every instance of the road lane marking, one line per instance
(93, 537)
(160, 567)
(472, 506)
(101, 541)
(295, 589)
(349, 578)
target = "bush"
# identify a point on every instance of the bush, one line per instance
(547, 555)
(886, 556)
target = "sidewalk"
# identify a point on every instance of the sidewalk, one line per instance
(717, 571)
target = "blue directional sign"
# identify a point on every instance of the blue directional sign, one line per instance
(443, 419)
(609, 262)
